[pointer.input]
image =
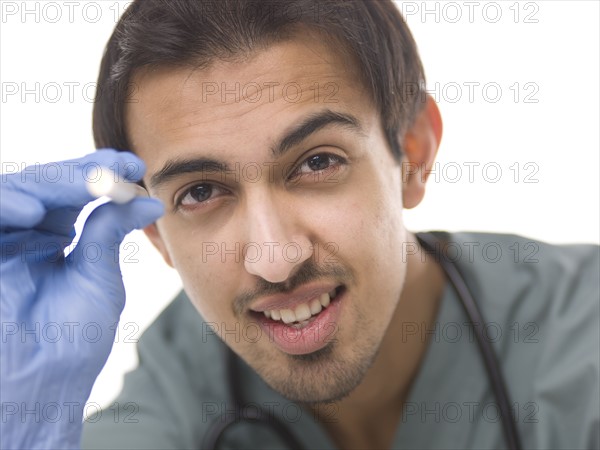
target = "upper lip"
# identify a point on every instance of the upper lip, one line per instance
(290, 300)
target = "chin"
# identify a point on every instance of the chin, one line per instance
(323, 376)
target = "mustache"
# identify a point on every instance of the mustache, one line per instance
(309, 271)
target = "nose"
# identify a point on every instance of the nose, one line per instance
(276, 244)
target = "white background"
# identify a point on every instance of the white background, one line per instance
(553, 45)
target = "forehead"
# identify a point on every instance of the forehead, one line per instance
(245, 102)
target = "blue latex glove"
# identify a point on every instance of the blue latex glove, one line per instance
(59, 314)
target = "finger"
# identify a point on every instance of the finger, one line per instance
(95, 256)
(59, 185)
(33, 247)
(128, 166)
(19, 210)
(60, 222)
(45, 242)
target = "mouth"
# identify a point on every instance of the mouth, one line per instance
(301, 324)
(304, 313)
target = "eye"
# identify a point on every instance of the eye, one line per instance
(200, 193)
(318, 163)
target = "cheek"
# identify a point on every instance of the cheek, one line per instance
(387, 206)
(364, 227)
(208, 275)
(376, 234)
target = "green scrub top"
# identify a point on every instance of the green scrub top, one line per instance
(541, 305)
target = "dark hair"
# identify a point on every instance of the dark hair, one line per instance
(196, 32)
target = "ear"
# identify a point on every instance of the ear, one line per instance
(156, 239)
(420, 146)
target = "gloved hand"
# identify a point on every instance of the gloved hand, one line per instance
(59, 314)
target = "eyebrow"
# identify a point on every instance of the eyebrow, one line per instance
(307, 127)
(311, 125)
(177, 167)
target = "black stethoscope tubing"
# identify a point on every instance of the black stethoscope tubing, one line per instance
(431, 244)
(511, 433)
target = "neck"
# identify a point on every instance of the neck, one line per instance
(374, 408)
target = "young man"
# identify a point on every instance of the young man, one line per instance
(283, 141)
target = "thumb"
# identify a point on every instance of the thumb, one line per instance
(97, 252)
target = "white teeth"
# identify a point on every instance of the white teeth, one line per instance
(302, 312)
(288, 316)
(315, 306)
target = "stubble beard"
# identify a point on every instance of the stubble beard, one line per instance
(324, 376)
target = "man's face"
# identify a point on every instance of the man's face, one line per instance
(278, 200)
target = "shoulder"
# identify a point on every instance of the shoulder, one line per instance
(492, 256)
(502, 269)
(541, 305)
(164, 401)
(518, 280)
